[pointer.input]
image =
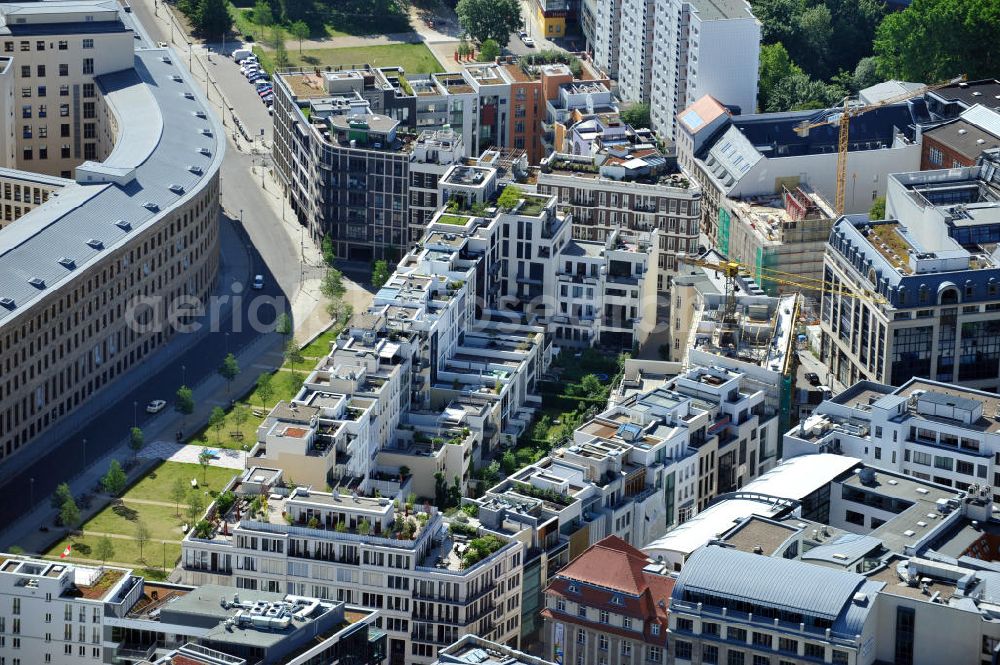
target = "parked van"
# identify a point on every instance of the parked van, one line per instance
(241, 54)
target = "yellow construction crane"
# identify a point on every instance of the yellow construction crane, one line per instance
(732, 270)
(843, 120)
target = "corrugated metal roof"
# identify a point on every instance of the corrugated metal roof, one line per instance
(844, 549)
(785, 584)
(160, 138)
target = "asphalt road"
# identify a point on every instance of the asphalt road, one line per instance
(277, 259)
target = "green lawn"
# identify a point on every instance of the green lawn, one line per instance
(126, 551)
(121, 518)
(413, 58)
(320, 346)
(156, 484)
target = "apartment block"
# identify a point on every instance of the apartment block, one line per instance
(635, 51)
(608, 606)
(739, 156)
(618, 178)
(23, 191)
(697, 48)
(429, 584)
(920, 286)
(926, 429)
(960, 141)
(600, 22)
(69, 270)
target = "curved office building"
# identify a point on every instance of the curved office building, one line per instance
(135, 217)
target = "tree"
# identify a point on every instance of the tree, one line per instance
(508, 462)
(195, 507)
(440, 489)
(185, 400)
(212, 18)
(262, 14)
(775, 65)
(216, 420)
(329, 254)
(204, 457)
(229, 370)
(799, 92)
(264, 388)
(177, 493)
(280, 52)
(224, 502)
(865, 74)
(380, 273)
(489, 19)
(104, 549)
(240, 415)
(932, 40)
(115, 480)
(60, 495)
(778, 19)
(293, 354)
(509, 198)
(364, 527)
(877, 211)
(815, 32)
(541, 429)
(142, 536)
(136, 440)
(299, 30)
(636, 115)
(69, 514)
(332, 285)
(489, 51)
(283, 324)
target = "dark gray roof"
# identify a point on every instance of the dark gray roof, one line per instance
(963, 137)
(162, 139)
(785, 584)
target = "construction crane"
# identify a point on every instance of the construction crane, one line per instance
(732, 270)
(843, 120)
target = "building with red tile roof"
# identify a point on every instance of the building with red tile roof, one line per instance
(610, 606)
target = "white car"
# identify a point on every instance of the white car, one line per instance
(155, 406)
(528, 41)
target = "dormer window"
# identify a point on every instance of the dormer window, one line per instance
(617, 600)
(574, 588)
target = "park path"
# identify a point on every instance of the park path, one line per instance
(122, 536)
(153, 502)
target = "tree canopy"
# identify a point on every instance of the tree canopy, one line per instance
(636, 116)
(115, 480)
(934, 40)
(489, 19)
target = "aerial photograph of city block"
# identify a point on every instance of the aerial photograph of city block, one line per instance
(500, 332)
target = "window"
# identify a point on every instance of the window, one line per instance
(626, 648)
(43, 111)
(90, 151)
(945, 463)
(28, 153)
(815, 651)
(709, 654)
(855, 518)
(682, 649)
(64, 111)
(581, 636)
(560, 604)
(603, 618)
(89, 110)
(88, 89)
(788, 645)
(581, 611)
(709, 628)
(685, 624)
(25, 71)
(935, 156)
(840, 657)
(26, 111)
(88, 65)
(41, 70)
(627, 623)
(735, 658)
(43, 151)
(654, 629)
(654, 655)
(64, 71)
(42, 91)
(904, 635)
(924, 459)
(736, 634)
(26, 92)
(762, 640)
(602, 642)
(64, 152)
(63, 45)
(88, 43)
(26, 132)
(761, 660)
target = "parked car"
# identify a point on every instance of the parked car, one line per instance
(528, 41)
(155, 406)
(253, 77)
(258, 282)
(241, 54)
(812, 378)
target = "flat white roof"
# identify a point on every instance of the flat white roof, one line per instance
(799, 477)
(709, 524)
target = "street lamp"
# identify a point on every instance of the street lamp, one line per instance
(135, 420)
(31, 493)
(85, 451)
(227, 345)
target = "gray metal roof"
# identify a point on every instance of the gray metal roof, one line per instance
(844, 549)
(785, 584)
(168, 136)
